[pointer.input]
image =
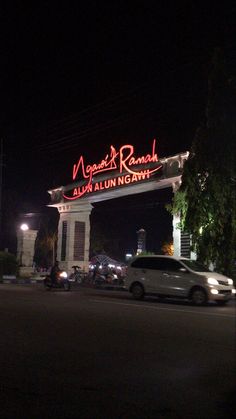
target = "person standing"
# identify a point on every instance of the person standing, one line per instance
(96, 270)
(54, 272)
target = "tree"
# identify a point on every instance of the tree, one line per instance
(45, 246)
(99, 243)
(8, 264)
(206, 198)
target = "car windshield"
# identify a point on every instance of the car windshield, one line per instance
(194, 265)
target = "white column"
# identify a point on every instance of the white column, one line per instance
(25, 250)
(175, 222)
(177, 231)
(70, 214)
(26, 246)
(176, 236)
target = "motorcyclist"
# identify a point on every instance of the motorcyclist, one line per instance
(76, 274)
(96, 270)
(54, 272)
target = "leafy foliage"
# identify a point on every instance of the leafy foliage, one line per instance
(206, 198)
(168, 248)
(8, 264)
(45, 249)
(46, 243)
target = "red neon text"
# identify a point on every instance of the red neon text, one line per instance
(108, 184)
(123, 159)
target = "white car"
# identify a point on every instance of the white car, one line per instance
(168, 276)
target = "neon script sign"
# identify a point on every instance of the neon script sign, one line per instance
(123, 161)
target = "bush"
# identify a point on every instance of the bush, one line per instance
(8, 264)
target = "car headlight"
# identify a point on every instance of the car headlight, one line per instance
(63, 274)
(212, 281)
(230, 281)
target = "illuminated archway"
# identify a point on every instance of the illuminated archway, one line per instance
(120, 173)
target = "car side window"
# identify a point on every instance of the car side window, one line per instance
(159, 264)
(149, 263)
(155, 263)
(140, 263)
(172, 265)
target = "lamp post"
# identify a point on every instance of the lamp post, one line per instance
(25, 249)
(24, 227)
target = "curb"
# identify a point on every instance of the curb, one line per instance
(21, 281)
(27, 281)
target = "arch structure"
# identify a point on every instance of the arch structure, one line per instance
(120, 173)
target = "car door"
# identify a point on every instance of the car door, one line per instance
(155, 274)
(174, 279)
(142, 271)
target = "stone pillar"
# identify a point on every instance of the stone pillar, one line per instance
(176, 230)
(193, 255)
(25, 251)
(179, 238)
(74, 236)
(176, 236)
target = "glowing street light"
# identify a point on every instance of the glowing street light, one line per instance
(24, 227)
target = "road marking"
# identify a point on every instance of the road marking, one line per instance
(161, 308)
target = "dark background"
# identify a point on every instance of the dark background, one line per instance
(79, 77)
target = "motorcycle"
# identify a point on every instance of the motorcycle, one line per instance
(108, 279)
(61, 281)
(99, 280)
(77, 275)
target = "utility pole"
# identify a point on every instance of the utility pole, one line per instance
(1, 172)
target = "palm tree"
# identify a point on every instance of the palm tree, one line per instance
(45, 248)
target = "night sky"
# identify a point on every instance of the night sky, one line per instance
(77, 78)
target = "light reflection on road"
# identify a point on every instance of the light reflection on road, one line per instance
(151, 307)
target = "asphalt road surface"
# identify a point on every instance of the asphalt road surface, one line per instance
(99, 354)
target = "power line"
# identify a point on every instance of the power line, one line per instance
(68, 123)
(1, 180)
(94, 130)
(71, 140)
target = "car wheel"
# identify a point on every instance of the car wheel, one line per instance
(199, 297)
(137, 291)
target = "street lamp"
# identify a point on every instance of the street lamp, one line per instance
(24, 227)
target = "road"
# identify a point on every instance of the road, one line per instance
(99, 354)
